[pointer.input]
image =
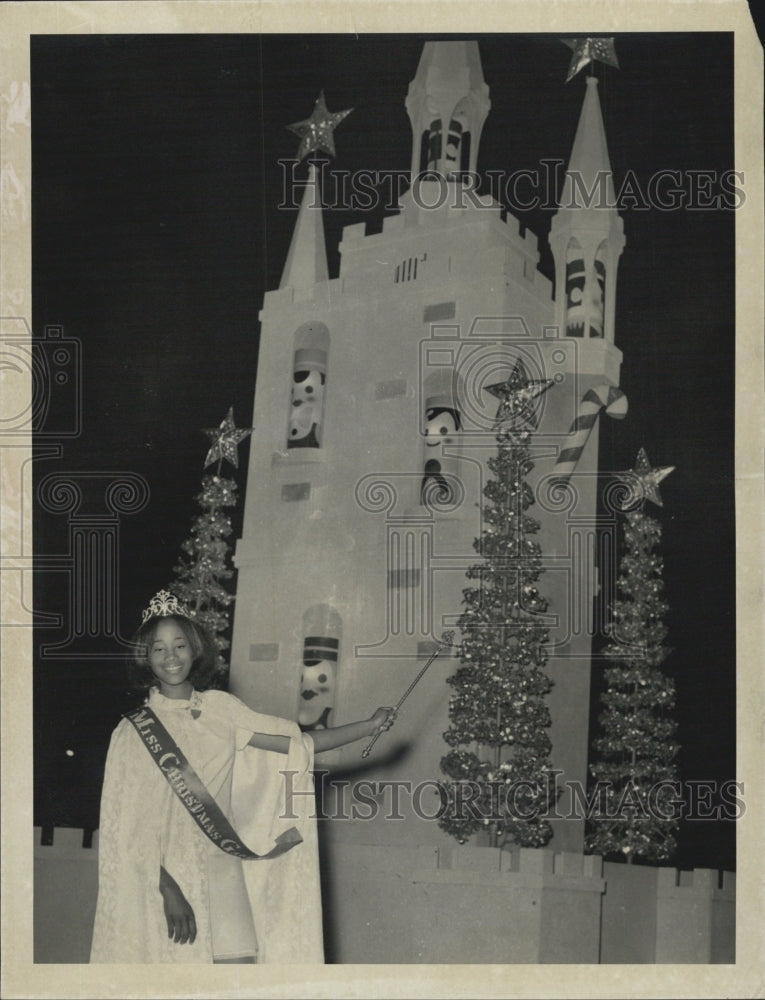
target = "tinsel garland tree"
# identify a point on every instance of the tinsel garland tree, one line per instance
(205, 568)
(499, 761)
(634, 771)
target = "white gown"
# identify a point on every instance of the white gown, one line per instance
(271, 906)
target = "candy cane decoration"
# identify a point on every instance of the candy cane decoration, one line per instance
(601, 397)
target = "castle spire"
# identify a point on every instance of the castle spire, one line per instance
(587, 234)
(307, 258)
(447, 102)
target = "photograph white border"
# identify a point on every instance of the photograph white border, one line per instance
(20, 976)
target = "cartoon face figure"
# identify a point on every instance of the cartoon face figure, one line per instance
(433, 154)
(441, 424)
(454, 144)
(317, 694)
(584, 298)
(307, 408)
(598, 299)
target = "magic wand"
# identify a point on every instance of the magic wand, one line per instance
(446, 640)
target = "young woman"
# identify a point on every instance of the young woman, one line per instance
(207, 840)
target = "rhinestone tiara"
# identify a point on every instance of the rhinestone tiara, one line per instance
(162, 604)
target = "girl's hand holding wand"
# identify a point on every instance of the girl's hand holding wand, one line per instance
(382, 720)
(337, 736)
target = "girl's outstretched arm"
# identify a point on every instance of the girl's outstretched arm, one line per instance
(338, 736)
(329, 739)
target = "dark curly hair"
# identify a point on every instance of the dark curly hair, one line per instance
(203, 650)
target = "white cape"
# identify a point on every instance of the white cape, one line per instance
(144, 825)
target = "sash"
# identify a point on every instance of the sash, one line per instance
(189, 788)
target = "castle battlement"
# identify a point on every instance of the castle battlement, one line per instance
(673, 882)
(474, 242)
(67, 842)
(369, 271)
(544, 862)
(577, 908)
(424, 222)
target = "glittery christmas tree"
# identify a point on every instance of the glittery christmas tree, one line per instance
(634, 769)
(205, 567)
(499, 761)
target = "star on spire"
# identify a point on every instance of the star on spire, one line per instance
(225, 440)
(516, 396)
(643, 481)
(587, 50)
(315, 133)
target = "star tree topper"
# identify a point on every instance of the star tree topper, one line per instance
(517, 395)
(587, 50)
(225, 440)
(643, 481)
(316, 132)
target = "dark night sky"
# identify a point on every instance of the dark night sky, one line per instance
(156, 233)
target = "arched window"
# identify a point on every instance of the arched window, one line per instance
(445, 143)
(309, 386)
(457, 149)
(441, 423)
(322, 628)
(575, 282)
(432, 145)
(599, 293)
(585, 291)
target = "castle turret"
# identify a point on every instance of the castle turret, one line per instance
(587, 233)
(447, 103)
(306, 262)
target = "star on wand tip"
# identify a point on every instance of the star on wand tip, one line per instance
(225, 440)
(643, 481)
(316, 133)
(587, 50)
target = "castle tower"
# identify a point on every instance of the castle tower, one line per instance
(368, 461)
(447, 103)
(587, 234)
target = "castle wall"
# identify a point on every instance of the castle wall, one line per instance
(65, 890)
(695, 916)
(454, 905)
(663, 915)
(629, 914)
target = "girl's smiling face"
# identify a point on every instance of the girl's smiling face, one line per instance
(170, 658)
